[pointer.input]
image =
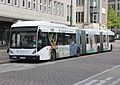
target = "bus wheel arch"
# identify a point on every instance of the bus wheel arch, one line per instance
(53, 54)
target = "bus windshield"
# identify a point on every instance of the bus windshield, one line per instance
(24, 37)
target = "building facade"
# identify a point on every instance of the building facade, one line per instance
(91, 13)
(115, 4)
(84, 14)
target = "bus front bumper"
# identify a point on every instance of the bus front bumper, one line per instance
(23, 57)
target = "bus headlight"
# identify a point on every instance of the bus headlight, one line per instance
(11, 51)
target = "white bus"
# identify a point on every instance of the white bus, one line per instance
(43, 40)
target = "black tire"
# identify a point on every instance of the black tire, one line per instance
(111, 47)
(53, 55)
(98, 49)
(78, 52)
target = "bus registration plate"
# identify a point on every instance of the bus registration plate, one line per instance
(22, 57)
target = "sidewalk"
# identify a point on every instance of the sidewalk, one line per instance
(4, 55)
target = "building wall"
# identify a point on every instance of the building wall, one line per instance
(18, 11)
(55, 11)
(91, 7)
(30, 13)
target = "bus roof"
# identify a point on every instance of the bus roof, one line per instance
(48, 26)
(36, 23)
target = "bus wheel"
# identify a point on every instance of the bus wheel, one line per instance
(98, 49)
(78, 52)
(53, 55)
(111, 47)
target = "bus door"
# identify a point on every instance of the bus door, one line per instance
(90, 43)
(83, 42)
(72, 45)
(101, 41)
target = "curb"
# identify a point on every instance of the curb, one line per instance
(4, 62)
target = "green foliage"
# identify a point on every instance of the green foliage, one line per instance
(113, 20)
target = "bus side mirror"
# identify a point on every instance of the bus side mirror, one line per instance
(8, 50)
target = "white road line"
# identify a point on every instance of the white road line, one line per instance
(97, 75)
(15, 67)
(115, 82)
(91, 82)
(3, 50)
(101, 82)
(109, 78)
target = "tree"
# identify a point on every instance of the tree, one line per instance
(113, 20)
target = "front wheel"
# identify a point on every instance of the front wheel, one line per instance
(53, 55)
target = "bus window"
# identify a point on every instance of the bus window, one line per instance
(111, 38)
(52, 38)
(97, 38)
(72, 39)
(42, 39)
(87, 40)
(60, 39)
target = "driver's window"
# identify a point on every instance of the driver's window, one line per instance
(39, 38)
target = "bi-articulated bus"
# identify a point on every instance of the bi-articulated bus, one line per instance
(43, 40)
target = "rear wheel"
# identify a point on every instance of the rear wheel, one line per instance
(53, 55)
(78, 52)
(98, 49)
(111, 47)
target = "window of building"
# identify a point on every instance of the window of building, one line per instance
(113, 6)
(2, 1)
(55, 7)
(93, 3)
(34, 5)
(79, 2)
(94, 17)
(118, 6)
(40, 5)
(58, 8)
(9, 2)
(118, 13)
(79, 17)
(50, 6)
(62, 9)
(15, 2)
(29, 4)
(45, 5)
(68, 13)
(24, 3)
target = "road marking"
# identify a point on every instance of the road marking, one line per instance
(15, 67)
(101, 82)
(115, 82)
(98, 75)
(3, 50)
(109, 78)
(91, 82)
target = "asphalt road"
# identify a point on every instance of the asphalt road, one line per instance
(96, 69)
